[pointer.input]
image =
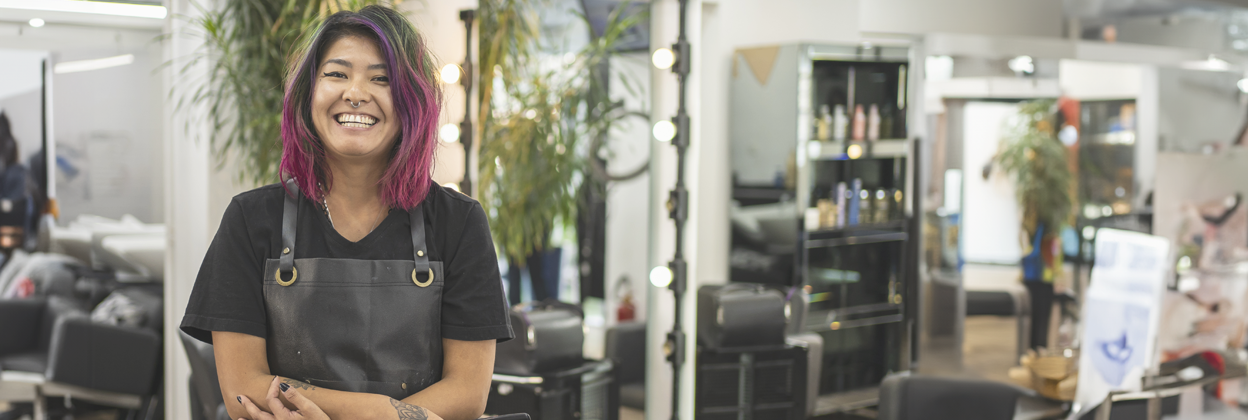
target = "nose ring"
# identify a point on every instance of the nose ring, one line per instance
(355, 104)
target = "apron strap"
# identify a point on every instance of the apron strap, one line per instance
(420, 253)
(290, 218)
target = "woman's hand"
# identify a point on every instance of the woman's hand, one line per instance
(304, 408)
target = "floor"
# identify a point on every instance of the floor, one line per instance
(629, 413)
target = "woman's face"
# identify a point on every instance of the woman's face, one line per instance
(354, 71)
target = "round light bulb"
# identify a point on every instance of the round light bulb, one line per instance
(663, 58)
(450, 73)
(661, 276)
(449, 133)
(854, 151)
(664, 130)
(36, 22)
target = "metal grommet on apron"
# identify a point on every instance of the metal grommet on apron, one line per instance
(354, 325)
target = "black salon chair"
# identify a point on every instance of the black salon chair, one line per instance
(53, 348)
(206, 400)
(626, 346)
(936, 398)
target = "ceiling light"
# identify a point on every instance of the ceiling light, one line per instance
(1023, 65)
(92, 7)
(450, 74)
(664, 130)
(663, 58)
(96, 64)
(1243, 85)
(661, 276)
(1211, 64)
(36, 22)
(449, 133)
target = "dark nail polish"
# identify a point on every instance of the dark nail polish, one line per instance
(240, 399)
(284, 386)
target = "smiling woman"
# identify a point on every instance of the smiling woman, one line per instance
(358, 287)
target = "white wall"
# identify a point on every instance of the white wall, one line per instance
(986, 17)
(990, 213)
(107, 122)
(1198, 108)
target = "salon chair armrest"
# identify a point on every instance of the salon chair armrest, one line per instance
(103, 357)
(19, 325)
(521, 416)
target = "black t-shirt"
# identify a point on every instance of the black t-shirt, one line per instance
(228, 294)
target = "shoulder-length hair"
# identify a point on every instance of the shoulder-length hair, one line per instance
(413, 86)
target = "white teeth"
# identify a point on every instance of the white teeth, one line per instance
(356, 119)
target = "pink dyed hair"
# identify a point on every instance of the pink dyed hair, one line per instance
(417, 101)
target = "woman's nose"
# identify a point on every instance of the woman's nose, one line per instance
(356, 91)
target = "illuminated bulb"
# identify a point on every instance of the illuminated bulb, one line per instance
(854, 151)
(661, 276)
(663, 58)
(450, 73)
(664, 130)
(449, 133)
(36, 22)
(1089, 233)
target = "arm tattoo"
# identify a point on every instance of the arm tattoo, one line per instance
(298, 385)
(409, 412)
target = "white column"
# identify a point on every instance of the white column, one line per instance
(187, 173)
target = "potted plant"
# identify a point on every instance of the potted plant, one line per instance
(542, 128)
(1036, 161)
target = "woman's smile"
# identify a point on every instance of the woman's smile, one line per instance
(356, 121)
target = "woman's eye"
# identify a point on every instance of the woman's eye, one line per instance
(383, 79)
(335, 74)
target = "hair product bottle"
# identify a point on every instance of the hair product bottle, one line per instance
(840, 123)
(873, 123)
(860, 123)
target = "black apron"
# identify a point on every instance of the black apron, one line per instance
(354, 325)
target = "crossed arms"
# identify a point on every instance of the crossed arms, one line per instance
(243, 370)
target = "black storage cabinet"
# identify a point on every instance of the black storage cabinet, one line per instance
(751, 384)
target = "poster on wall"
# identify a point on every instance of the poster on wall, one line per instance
(1121, 313)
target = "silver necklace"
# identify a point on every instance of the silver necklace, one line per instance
(325, 203)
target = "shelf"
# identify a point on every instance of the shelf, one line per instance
(853, 323)
(894, 225)
(846, 401)
(878, 149)
(819, 320)
(843, 237)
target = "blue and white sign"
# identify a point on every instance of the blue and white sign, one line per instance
(1121, 313)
